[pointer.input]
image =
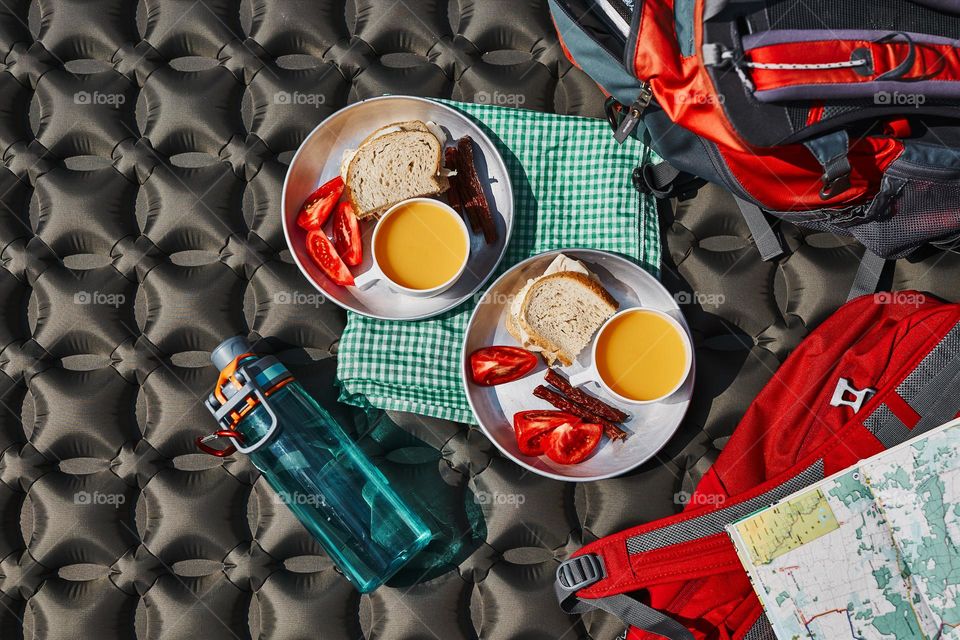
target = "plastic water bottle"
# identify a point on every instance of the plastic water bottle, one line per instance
(315, 468)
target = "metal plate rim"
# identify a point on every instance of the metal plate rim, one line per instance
(507, 210)
(465, 369)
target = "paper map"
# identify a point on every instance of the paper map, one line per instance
(870, 553)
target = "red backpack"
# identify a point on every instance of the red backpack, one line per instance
(881, 370)
(838, 116)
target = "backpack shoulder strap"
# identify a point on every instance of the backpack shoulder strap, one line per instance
(581, 571)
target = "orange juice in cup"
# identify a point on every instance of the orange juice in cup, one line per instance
(420, 247)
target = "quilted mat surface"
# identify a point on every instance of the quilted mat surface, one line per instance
(143, 147)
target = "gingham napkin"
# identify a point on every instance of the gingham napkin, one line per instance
(580, 196)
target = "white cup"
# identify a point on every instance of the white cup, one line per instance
(592, 374)
(375, 273)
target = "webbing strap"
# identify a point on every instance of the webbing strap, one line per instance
(831, 152)
(768, 244)
(582, 571)
(663, 180)
(638, 615)
(868, 275)
(714, 522)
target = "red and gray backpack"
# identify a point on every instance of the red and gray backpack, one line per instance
(837, 115)
(882, 369)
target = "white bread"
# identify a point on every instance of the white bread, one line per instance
(400, 161)
(559, 314)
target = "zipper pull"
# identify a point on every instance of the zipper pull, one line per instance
(634, 113)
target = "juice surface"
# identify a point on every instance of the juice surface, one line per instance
(420, 246)
(641, 356)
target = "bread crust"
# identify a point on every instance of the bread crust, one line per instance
(552, 352)
(442, 183)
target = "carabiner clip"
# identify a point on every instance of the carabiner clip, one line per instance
(221, 433)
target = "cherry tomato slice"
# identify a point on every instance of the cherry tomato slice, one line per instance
(533, 427)
(572, 443)
(346, 234)
(317, 207)
(495, 365)
(325, 256)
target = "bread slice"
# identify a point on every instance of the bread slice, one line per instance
(561, 312)
(394, 167)
(406, 125)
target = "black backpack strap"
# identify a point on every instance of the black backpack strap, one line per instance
(868, 275)
(582, 571)
(766, 239)
(663, 180)
(831, 151)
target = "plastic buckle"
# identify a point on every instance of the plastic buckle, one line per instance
(859, 395)
(834, 186)
(249, 395)
(579, 572)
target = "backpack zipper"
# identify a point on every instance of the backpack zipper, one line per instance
(634, 113)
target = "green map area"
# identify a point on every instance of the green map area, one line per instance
(870, 553)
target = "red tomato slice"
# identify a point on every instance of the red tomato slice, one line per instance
(325, 256)
(572, 443)
(533, 427)
(316, 209)
(495, 365)
(346, 234)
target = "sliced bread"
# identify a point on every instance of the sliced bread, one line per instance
(394, 167)
(560, 313)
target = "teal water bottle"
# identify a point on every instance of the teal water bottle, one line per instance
(316, 469)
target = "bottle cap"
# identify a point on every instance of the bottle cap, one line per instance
(229, 349)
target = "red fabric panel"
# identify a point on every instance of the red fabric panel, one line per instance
(932, 62)
(790, 425)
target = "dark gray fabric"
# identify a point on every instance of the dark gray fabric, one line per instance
(868, 275)
(111, 525)
(768, 244)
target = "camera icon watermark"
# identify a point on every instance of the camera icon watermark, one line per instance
(905, 298)
(314, 100)
(299, 498)
(700, 298)
(88, 498)
(696, 97)
(98, 98)
(685, 498)
(497, 498)
(99, 298)
(500, 98)
(899, 99)
(298, 297)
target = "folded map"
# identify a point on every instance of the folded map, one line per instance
(870, 553)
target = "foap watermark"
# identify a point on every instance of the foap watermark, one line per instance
(700, 298)
(494, 297)
(500, 98)
(499, 498)
(97, 97)
(905, 298)
(299, 98)
(99, 298)
(298, 297)
(899, 99)
(299, 498)
(695, 97)
(697, 499)
(87, 498)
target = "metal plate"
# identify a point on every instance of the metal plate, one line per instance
(318, 160)
(650, 426)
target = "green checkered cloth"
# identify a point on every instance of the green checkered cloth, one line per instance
(579, 195)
